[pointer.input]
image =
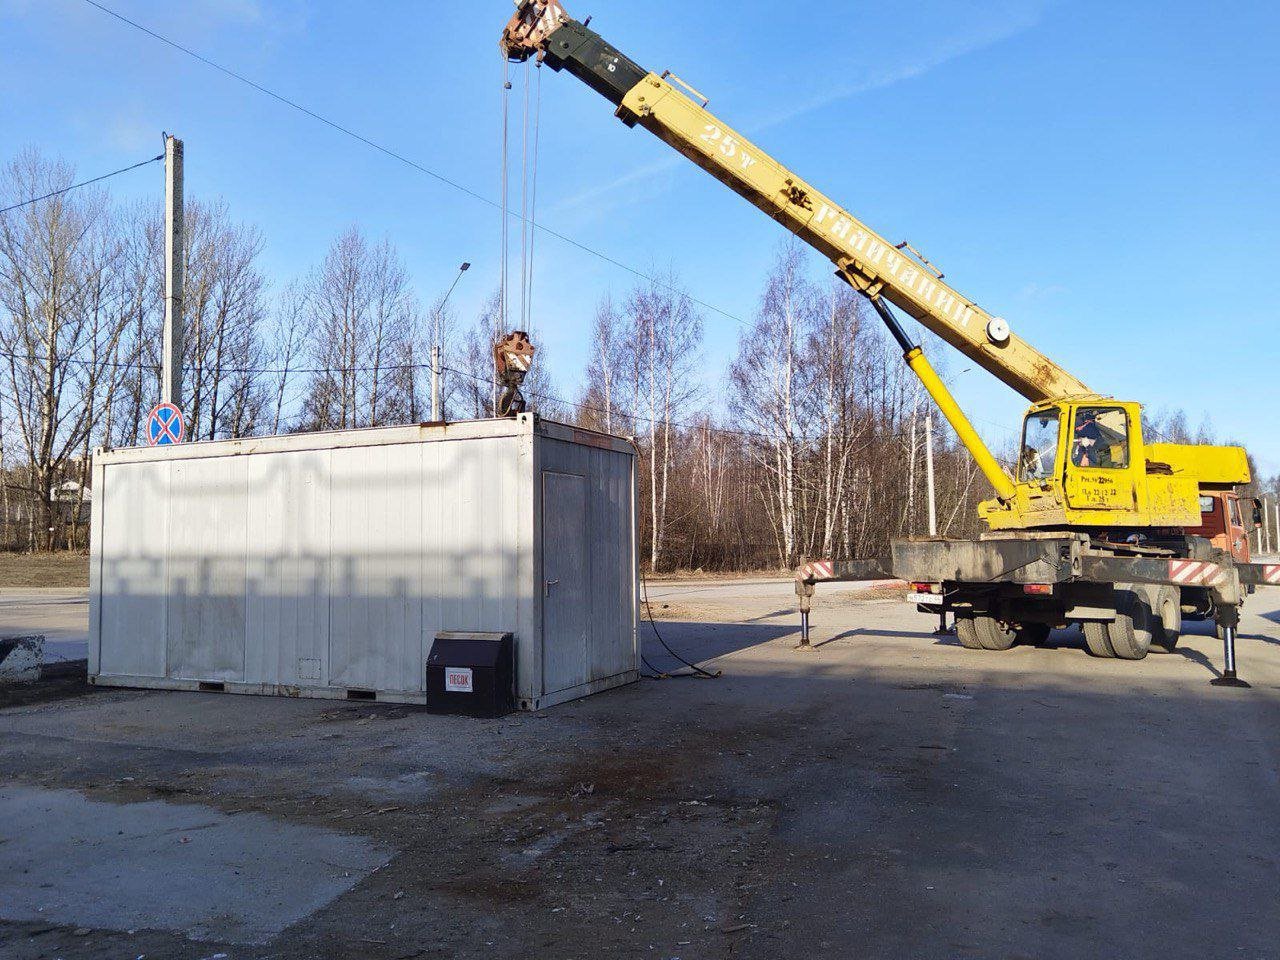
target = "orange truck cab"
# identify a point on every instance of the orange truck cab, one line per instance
(1222, 521)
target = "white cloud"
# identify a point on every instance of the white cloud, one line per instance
(130, 133)
(648, 173)
(1041, 291)
(987, 34)
(231, 11)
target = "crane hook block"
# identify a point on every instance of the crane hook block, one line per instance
(512, 358)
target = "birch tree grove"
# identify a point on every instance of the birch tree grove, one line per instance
(800, 435)
(769, 388)
(62, 320)
(362, 319)
(817, 458)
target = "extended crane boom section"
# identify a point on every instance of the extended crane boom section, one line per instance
(867, 260)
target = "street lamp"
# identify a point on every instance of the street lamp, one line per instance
(435, 344)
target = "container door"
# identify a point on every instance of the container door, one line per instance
(566, 658)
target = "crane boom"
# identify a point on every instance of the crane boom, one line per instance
(863, 257)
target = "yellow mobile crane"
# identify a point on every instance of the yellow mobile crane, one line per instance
(1088, 490)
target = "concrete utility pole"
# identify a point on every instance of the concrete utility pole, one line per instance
(174, 263)
(435, 382)
(928, 472)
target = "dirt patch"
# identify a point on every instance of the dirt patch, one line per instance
(738, 610)
(714, 576)
(58, 681)
(63, 569)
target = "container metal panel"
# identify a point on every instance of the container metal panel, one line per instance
(613, 586)
(565, 599)
(288, 551)
(608, 526)
(475, 502)
(129, 611)
(376, 569)
(208, 530)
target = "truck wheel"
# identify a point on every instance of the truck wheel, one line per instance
(1033, 634)
(1098, 641)
(967, 632)
(994, 634)
(1134, 627)
(1167, 608)
(983, 633)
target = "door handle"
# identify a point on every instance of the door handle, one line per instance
(547, 585)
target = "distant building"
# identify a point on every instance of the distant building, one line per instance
(69, 491)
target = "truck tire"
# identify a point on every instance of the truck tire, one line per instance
(993, 634)
(967, 632)
(983, 632)
(1167, 607)
(1134, 627)
(1097, 639)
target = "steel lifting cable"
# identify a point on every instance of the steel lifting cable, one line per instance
(533, 191)
(524, 204)
(501, 320)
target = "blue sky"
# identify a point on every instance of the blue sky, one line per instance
(1104, 175)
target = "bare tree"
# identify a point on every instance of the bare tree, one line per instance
(469, 379)
(288, 340)
(768, 388)
(834, 354)
(61, 320)
(604, 369)
(664, 336)
(360, 314)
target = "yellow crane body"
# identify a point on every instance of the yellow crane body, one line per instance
(1082, 459)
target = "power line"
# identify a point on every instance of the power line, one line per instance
(83, 183)
(347, 131)
(395, 155)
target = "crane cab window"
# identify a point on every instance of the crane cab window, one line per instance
(1208, 506)
(1039, 446)
(1236, 519)
(1101, 438)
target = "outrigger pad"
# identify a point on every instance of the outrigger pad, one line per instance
(1230, 682)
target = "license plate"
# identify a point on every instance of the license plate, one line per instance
(458, 680)
(929, 599)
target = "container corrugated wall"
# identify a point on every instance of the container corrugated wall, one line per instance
(323, 564)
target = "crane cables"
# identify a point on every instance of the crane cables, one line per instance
(529, 196)
(530, 139)
(500, 321)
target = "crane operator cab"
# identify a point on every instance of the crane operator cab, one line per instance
(1084, 462)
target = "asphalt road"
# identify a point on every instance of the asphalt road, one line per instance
(60, 615)
(889, 795)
